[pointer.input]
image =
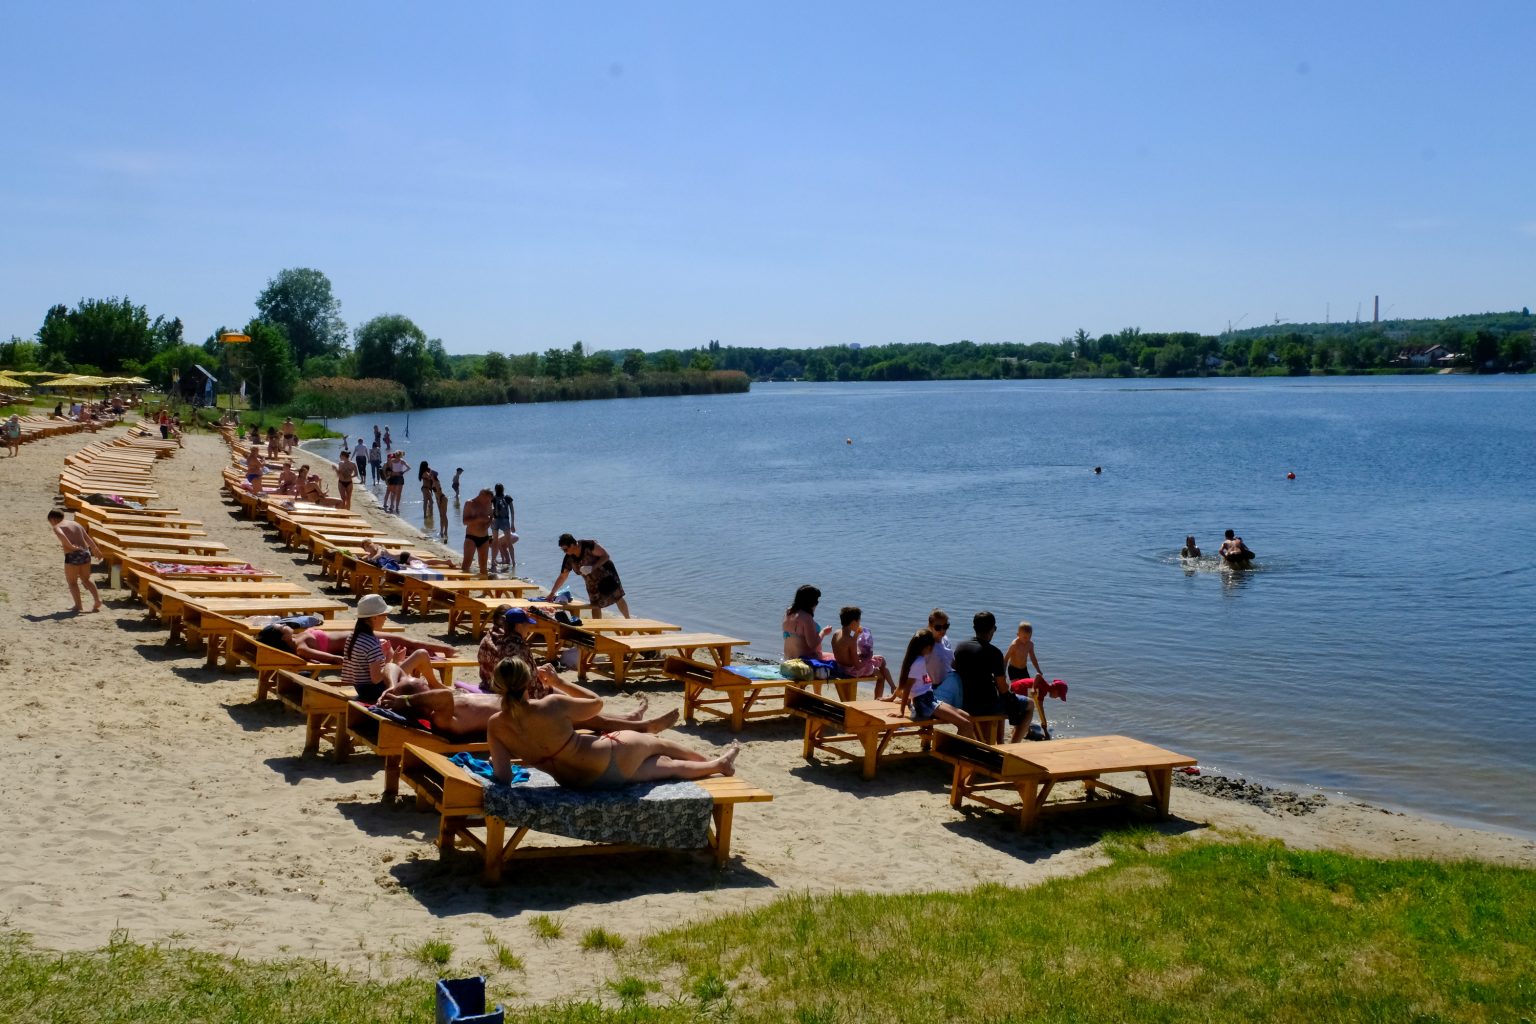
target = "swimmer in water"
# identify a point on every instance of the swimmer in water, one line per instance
(1191, 549)
(1234, 551)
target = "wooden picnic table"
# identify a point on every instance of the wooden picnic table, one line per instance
(1032, 770)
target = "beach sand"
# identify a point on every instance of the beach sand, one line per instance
(147, 793)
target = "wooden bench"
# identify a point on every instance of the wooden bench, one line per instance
(426, 594)
(718, 691)
(1032, 770)
(457, 797)
(862, 730)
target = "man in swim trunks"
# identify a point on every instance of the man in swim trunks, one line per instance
(537, 723)
(477, 530)
(78, 551)
(1234, 551)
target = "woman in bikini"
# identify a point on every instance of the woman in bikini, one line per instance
(536, 724)
(346, 473)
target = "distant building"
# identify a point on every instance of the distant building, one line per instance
(855, 346)
(1424, 355)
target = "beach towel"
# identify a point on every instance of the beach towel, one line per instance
(179, 568)
(675, 815)
(759, 673)
(485, 770)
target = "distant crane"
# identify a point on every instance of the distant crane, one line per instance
(1231, 324)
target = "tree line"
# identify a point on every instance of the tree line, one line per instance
(301, 352)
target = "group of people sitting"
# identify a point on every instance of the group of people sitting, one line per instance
(526, 712)
(937, 680)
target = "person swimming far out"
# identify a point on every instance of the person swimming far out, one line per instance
(1234, 552)
(1190, 549)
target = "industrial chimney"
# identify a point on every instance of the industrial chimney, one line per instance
(1376, 311)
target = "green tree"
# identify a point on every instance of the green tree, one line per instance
(267, 364)
(634, 363)
(495, 366)
(101, 332)
(1295, 358)
(385, 343)
(554, 364)
(20, 354)
(299, 300)
(322, 366)
(1515, 350)
(670, 363)
(181, 359)
(600, 365)
(702, 361)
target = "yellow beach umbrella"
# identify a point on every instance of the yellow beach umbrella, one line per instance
(34, 374)
(13, 383)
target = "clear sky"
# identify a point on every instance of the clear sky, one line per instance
(514, 176)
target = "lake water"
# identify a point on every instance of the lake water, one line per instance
(1381, 647)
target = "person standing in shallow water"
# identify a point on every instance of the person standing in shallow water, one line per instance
(78, 551)
(588, 559)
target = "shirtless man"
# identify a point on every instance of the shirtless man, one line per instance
(1234, 551)
(477, 529)
(290, 435)
(79, 548)
(254, 467)
(461, 712)
(288, 480)
(537, 724)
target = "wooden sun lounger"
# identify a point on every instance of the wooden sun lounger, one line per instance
(119, 518)
(389, 738)
(167, 597)
(137, 574)
(862, 730)
(457, 797)
(1032, 770)
(212, 619)
(480, 609)
(559, 635)
(716, 690)
(625, 651)
(427, 594)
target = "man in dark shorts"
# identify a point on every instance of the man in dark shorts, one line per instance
(983, 680)
(477, 530)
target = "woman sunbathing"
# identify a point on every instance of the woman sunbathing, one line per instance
(318, 647)
(463, 712)
(537, 724)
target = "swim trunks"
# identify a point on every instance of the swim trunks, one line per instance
(77, 558)
(479, 539)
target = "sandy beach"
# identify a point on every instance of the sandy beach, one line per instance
(150, 794)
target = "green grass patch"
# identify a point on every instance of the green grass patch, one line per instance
(600, 938)
(546, 927)
(1246, 931)
(433, 953)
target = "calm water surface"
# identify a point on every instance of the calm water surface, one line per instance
(1382, 646)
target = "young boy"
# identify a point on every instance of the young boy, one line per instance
(1020, 652)
(79, 549)
(855, 662)
(456, 474)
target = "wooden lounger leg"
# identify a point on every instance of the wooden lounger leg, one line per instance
(495, 828)
(391, 777)
(1160, 781)
(690, 697)
(722, 838)
(313, 723)
(811, 729)
(1031, 798)
(870, 741)
(957, 788)
(738, 710)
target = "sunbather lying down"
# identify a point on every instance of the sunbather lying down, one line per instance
(539, 723)
(462, 712)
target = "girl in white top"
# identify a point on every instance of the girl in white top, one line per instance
(917, 687)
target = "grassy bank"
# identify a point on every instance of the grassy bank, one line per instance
(1247, 931)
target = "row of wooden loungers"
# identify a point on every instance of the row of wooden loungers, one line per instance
(35, 428)
(866, 731)
(331, 714)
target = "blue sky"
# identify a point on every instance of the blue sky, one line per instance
(515, 176)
